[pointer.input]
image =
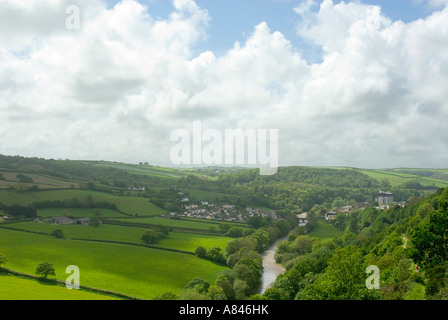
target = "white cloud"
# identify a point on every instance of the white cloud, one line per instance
(116, 88)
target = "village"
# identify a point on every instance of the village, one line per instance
(226, 212)
(384, 200)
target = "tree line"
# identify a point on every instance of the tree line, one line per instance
(408, 245)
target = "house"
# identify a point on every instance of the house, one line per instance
(84, 221)
(303, 219)
(60, 220)
(385, 198)
(346, 209)
(363, 205)
(330, 215)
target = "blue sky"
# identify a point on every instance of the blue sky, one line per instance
(344, 84)
(234, 20)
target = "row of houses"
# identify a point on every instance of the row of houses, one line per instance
(65, 221)
(225, 212)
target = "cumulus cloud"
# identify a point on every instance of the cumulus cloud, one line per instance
(116, 88)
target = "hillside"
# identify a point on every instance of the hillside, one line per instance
(408, 246)
(217, 221)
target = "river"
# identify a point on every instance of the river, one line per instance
(271, 269)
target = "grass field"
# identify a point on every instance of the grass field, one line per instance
(207, 195)
(176, 240)
(397, 178)
(77, 213)
(127, 204)
(184, 223)
(163, 173)
(43, 181)
(136, 271)
(16, 288)
(325, 231)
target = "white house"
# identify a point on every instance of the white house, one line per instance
(303, 219)
(330, 215)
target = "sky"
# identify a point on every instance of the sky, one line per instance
(344, 83)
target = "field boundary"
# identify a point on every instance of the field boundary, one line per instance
(173, 229)
(60, 282)
(135, 244)
(103, 241)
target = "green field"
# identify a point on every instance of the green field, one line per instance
(17, 288)
(397, 178)
(136, 271)
(325, 231)
(207, 195)
(78, 212)
(163, 173)
(176, 240)
(43, 181)
(184, 223)
(127, 204)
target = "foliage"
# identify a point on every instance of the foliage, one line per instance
(154, 234)
(430, 239)
(58, 233)
(45, 269)
(17, 210)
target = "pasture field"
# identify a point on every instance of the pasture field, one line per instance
(16, 288)
(397, 178)
(77, 212)
(162, 173)
(43, 181)
(176, 240)
(133, 270)
(180, 223)
(127, 204)
(325, 231)
(207, 195)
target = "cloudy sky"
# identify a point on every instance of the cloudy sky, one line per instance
(354, 83)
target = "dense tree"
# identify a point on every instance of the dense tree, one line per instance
(200, 252)
(150, 236)
(429, 240)
(343, 279)
(58, 233)
(45, 269)
(199, 285)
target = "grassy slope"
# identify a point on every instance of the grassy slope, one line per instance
(176, 240)
(136, 271)
(397, 178)
(16, 288)
(127, 204)
(325, 231)
(141, 169)
(43, 181)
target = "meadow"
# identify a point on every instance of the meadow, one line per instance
(137, 271)
(18, 288)
(127, 204)
(397, 178)
(325, 231)
(176, 240)
(43, 181)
